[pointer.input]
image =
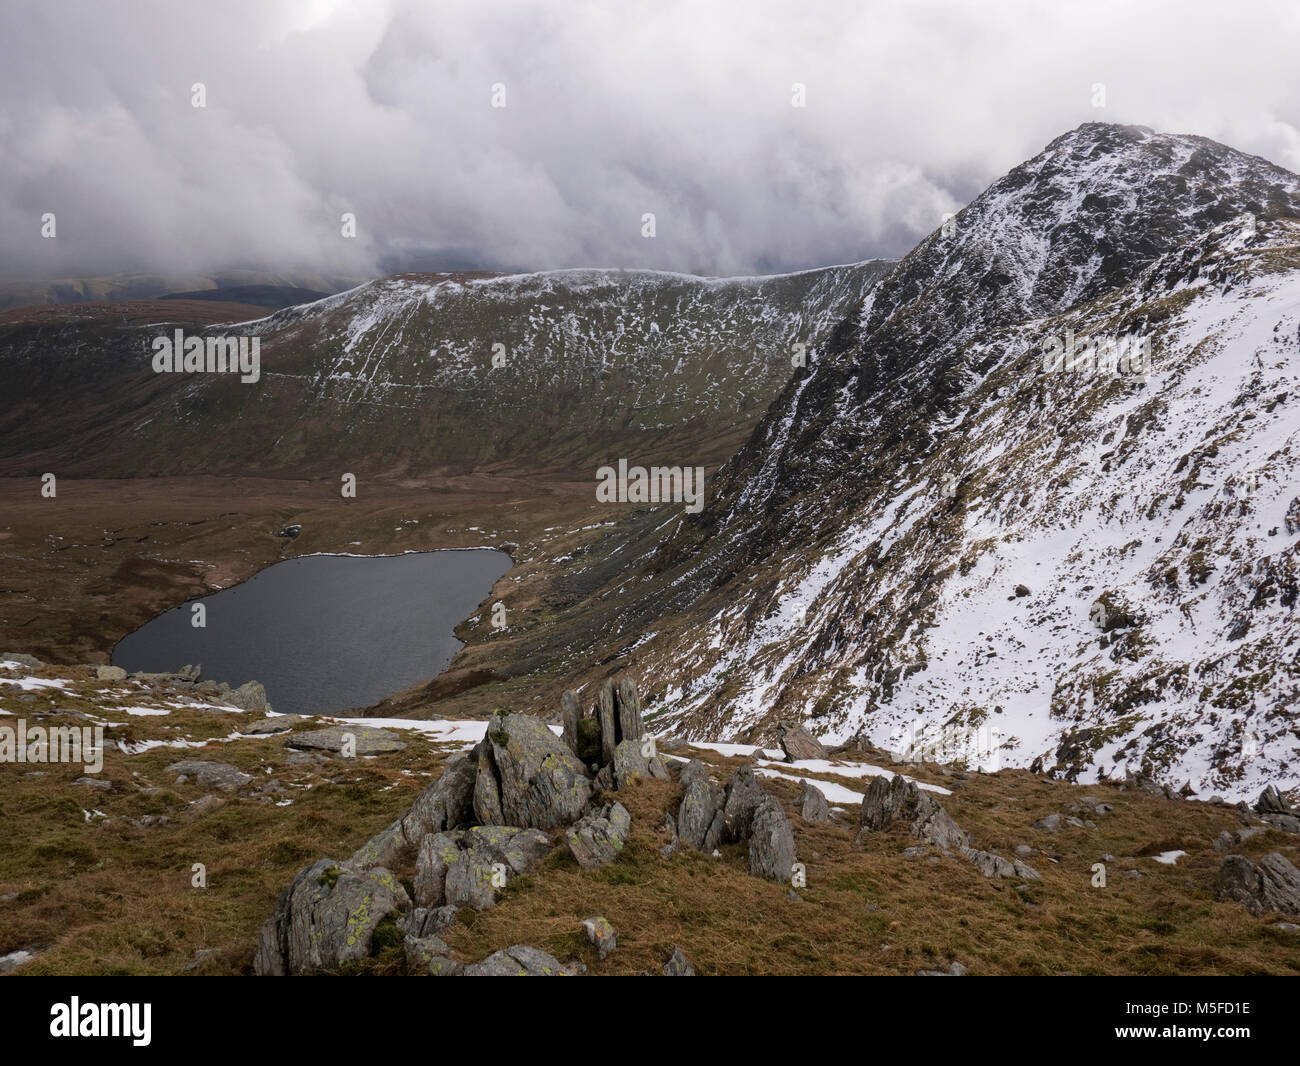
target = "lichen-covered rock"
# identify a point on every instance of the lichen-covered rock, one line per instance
(487, 787)
(630, 765)
(383, 849)
(771, 841)
(421, 951)
(1271, 885)
(448, 803)
(542, 783)
(473, 879)
(678, 965)
(326, 917)
(798, 743)
(812, 804)
(601, 935)
(437, 853)
(597, 839)
(518, 961)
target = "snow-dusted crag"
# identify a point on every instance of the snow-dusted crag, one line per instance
(934, 536)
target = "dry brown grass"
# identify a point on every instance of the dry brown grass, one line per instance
(111, 897)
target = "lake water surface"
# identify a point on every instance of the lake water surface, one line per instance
(325, 633)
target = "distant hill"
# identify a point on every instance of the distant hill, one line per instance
(273, 296)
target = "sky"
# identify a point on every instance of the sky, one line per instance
(613, 110)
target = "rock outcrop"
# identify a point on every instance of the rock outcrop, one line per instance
(1272, 884)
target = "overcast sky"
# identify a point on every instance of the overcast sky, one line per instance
(614, 109)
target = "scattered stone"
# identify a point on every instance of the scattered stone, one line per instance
(601, 935)
(1050, 824)
(1024, 850)
(1272, 884)
(597, 839)
(1285, 927)
(1022, 590)
(367, 740)
(99, 783)
(678, 965)
(798, 743)
(217, 775)
(812, 804)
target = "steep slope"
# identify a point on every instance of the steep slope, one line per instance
(859, 561)
(399, 376)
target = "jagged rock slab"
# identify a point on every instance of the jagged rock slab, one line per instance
(596, 839)
(542, 784)
(1272, 884)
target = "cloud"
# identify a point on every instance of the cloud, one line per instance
(613, 110)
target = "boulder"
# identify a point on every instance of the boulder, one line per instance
(605, 717)
(570, 714)
(989, 864)
(421, 951)
(596, 839)
(250, 696)
(438, 851)
(699, 817)
(278, 724)
(1271, 885)
(888, 803)
(367, 740)
(628, 710)
(217, 775)
(110, 673)
(517, 961)
(29, 661)
(601, 935)
(812, 804)
(678, 965)
(448, 803)
(741, 800)
(771, 841)
(325, 918)
(631, 766)
(542, 784)
(798, 743)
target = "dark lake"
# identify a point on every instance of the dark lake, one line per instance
(325, 633)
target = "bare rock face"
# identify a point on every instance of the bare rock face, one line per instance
(1271, 885)
(771, 841)
(798, 743)
(326, 917)
(540, 782)
(598, 838)
(812, 804)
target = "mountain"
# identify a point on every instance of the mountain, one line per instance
(116, 287)
(399, 375)
(930, 540)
